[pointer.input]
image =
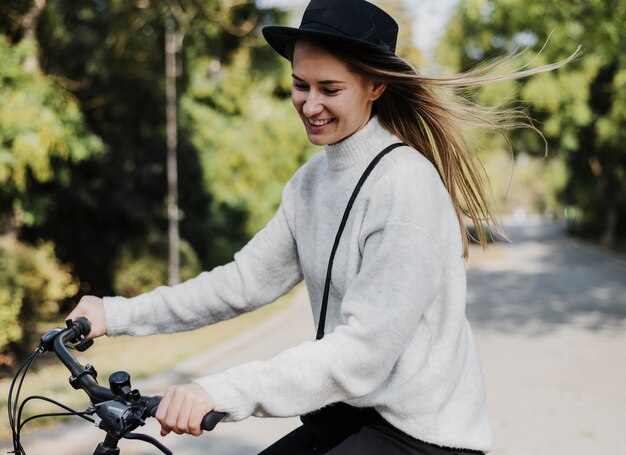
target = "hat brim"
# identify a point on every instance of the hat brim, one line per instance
(281, 39)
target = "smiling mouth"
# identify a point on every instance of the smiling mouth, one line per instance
(319, 122)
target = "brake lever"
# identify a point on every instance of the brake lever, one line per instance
(84, 345)
(148, 439)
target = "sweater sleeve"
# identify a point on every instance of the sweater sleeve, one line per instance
(265, 269)
(380, 312)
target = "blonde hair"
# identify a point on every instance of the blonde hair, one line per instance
(429, 114)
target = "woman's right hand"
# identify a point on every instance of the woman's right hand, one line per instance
(91, 308)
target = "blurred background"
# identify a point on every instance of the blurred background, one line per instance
(144, 141)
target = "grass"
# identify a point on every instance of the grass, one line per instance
(140, 356)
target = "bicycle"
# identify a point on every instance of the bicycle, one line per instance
(120, 408)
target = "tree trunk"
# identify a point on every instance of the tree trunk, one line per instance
(610, 226)
(613, 196)
(29, 25)
(171, 48)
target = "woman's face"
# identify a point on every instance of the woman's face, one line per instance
(333, 101)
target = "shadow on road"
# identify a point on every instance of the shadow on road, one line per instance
(548, 281)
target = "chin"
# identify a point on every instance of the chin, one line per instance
(317, 140)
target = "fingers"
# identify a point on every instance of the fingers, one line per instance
(183, 424)
(172, 420)
(162, 410)
(182, 409)
(92, 308)
(195, 420)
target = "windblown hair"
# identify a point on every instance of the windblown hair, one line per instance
(430, 113)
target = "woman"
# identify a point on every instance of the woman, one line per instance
(397, 370)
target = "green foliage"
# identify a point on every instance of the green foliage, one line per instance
(526, 183)
(40, 125)
(580, 108)
(82, 147)
(10, 303)
(42, 131)
(32, 283)
(143, 266)
(249, 143)
(83, 164)
(111, 55)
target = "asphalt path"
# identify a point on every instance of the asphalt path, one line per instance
(549, 316)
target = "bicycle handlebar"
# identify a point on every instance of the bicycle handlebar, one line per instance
(83, 376)
(208, 422)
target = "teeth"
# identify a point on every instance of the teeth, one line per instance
(320, 122)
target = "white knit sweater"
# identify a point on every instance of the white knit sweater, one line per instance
(397, 338)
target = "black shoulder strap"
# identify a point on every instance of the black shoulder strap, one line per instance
(342, 225)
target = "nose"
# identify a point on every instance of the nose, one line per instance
(312, 105)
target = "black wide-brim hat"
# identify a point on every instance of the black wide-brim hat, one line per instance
(352, 22)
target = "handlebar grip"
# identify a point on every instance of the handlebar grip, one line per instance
(80, 328)
(85, 325)
(209, 421)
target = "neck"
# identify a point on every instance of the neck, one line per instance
(358, 147)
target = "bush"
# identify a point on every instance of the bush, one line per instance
(143, 266)
(32, 282)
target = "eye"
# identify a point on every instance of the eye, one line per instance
(300, 86)
(331, 91)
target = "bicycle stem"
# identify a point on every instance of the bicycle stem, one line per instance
(83, 377)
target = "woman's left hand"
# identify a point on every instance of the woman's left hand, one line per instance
(182, 408)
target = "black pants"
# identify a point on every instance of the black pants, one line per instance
(345, 430)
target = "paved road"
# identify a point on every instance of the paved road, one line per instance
(549, 316)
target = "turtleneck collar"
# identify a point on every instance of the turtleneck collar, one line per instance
(361, 146)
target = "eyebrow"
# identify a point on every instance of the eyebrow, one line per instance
(327, 82)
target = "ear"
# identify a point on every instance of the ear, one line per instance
(378, 89)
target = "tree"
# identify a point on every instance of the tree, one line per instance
(249, 143)
(41, 128)
(109, 54)
(42, 133)
(579, 108)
